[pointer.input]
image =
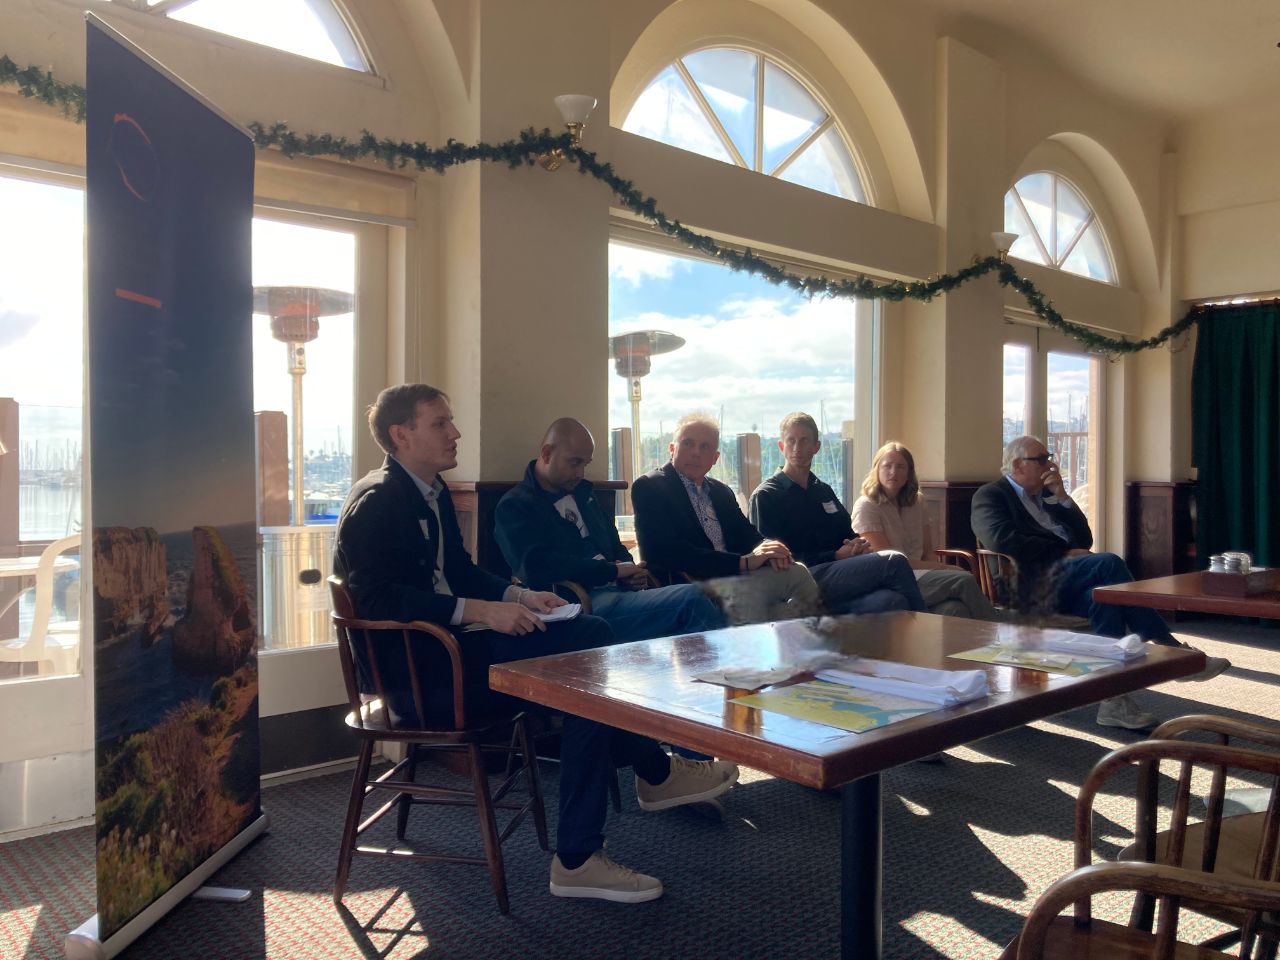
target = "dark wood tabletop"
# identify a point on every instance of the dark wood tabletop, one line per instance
(1183, 592)
(645, 687)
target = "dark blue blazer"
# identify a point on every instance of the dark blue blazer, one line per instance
(1002, 523)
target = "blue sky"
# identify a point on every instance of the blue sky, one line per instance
(758, 350)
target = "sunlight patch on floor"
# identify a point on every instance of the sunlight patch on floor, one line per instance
(1101, 739)
(970, 755)
(949, 937)
(752, 775)
(17, 927)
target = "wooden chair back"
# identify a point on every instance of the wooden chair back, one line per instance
(1148, 755)
(997, 572)
(963, 559)
(353, 631)
(1170, 883)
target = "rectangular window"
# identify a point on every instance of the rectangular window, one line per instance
(1073, 423)
(1016, 369)
(752, 353)
(41, 422)
(294, 255)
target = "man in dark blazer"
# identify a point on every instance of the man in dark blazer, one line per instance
(551, 528)
(1043, 533)
(687, 522)
(400, 552)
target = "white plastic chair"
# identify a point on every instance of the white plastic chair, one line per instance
(55, 646)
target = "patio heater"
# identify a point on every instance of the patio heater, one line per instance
(296, 560)
(295, 321)
(631, 353)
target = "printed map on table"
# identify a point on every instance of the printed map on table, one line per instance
(837, 705)
(1046, 661)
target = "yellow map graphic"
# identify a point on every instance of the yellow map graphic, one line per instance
(1043, 660)
(836, 705)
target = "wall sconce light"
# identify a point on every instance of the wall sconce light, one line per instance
(1004, 243)
(575, 108)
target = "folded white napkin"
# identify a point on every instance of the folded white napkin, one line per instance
(945, 687)
(1126, 648)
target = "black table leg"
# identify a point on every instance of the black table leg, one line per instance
(861, 858)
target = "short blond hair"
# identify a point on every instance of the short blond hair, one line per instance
(910, 491)
(697, 418)
(799, 419)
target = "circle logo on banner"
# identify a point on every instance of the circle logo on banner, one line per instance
(134, 156)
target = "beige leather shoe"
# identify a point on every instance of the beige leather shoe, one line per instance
(690, 781)
(602, 879)
(1124, 712)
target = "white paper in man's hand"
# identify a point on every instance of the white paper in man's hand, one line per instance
(567, 612)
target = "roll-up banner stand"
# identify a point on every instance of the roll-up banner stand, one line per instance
(170, 211)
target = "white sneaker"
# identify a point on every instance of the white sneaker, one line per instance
(602, 879)
(1213, 666)
(690, 781)
(1123, 712)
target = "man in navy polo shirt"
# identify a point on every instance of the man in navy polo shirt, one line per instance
(794, 506)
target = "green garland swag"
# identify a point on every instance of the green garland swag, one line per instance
(524, 151)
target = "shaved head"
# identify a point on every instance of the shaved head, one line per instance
(566, 430)
(567, 448)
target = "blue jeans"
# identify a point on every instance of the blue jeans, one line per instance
(589, 751)
(871, 583)
(1077, 578)
(657, 612)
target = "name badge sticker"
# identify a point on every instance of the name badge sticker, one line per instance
(829, 506)
(711, 512)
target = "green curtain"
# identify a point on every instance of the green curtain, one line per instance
(1236, 432)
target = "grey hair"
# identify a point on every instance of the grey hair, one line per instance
(701, 419)
(1017, 449)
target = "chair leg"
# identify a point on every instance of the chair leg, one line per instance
(615, 791)
(488, 827)
(533, 781)
(354, 807)
(406, 801)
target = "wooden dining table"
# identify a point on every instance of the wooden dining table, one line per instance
(1185, 592)
(647, 687)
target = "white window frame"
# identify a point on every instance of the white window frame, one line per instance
(1053, 259)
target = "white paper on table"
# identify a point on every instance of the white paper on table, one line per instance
(945, 687)
(1126, 648)
(748, 678)
(566, 612)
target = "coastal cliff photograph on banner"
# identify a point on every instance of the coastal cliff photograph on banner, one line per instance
(170, 193)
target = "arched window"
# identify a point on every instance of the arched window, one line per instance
(1057, 227)
(742, 108)
(309, 28)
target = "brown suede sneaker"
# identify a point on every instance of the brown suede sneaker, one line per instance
(602, 879)
(690, 781)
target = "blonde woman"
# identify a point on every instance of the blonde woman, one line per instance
(890, 516)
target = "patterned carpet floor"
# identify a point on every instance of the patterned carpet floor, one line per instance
(969, 844)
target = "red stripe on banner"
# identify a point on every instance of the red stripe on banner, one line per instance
(138, 297)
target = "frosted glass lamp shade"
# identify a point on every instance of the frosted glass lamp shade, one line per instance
(1004, 241)
(575, 107)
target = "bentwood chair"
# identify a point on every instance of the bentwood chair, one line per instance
(1230, 842)
(1251, 899)
(369, 720)
(53, 644)
(998, 576)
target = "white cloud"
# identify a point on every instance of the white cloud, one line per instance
(636, 265)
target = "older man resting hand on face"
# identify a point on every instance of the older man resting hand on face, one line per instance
(1029, 515)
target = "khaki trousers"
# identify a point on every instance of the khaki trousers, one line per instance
(767, 594)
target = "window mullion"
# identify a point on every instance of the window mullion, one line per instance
(759, 164)
(1076, 237)
(804, 145)
(1053, 223)
(710, 114)
(1035, 234)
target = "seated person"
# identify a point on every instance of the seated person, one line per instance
(794, 506)
(400, 551)
(686, 522)
(551, 528)
(890, 516)
(1052, 537)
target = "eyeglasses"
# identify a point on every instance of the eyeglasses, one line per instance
(1043, 459)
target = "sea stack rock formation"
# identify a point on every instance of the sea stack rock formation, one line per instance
(217, 634)
(130, 583)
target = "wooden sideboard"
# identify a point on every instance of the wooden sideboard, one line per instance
(1160, 532)
(947, 509)
(476, 503)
